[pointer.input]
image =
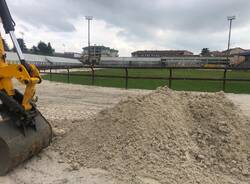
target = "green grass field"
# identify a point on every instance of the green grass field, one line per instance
(210, 86)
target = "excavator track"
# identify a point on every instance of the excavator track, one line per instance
(17, 146)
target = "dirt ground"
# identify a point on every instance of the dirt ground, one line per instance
(63, 105)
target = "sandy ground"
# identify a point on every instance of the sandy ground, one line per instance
(62, 105)
(242, 101)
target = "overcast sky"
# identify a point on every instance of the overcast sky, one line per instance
(130, 25)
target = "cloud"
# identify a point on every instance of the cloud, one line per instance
(50, 14)
(186, 24)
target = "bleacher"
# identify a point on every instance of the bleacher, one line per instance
(161, 62)
(44, 62)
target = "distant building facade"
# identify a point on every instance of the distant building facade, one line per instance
(233, 51)
(241, 59)
(217, 54)
(99, 51)
(161, 53)
(247, 55)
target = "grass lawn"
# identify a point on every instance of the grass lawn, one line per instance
(187, 85)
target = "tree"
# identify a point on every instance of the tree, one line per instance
(22, 45)
(42, 47)
(5, 45)
(45, 49)
(34, 50)
(50, 49)
(205, 52)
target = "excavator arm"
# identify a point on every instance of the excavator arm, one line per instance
(24, 73)
(24, 132)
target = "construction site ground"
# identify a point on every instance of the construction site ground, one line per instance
(65, 105)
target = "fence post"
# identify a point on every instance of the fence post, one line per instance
(93, 75)
(170, 78)
(224, 79)
(126, 70)
(68, 74)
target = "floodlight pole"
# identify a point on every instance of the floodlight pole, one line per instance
(89, 18)
(230, 19)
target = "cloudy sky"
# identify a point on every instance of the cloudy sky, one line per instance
(129, 25)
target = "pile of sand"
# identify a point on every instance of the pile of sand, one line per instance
(165, 137)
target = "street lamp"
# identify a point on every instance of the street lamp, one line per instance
(89, 18)
(230, 19)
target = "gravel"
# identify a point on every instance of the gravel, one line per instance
(164, 136)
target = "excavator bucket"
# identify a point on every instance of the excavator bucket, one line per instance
(17, 145)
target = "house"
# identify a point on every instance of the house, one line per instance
(243, 59)
(233, 51)
(217, 54)
(246, 55)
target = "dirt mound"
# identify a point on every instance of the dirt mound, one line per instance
(165, 137)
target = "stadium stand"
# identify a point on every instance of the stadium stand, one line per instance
(44, 62)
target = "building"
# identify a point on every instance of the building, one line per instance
(99, 51)
(217, 54)
(246, 55)
(233, 51)
(242, 60)
(161, 53)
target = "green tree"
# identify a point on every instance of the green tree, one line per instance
(42, 47)
(50, 49)
(205, 52)
(34, 50)
(45, 49)
(22, 45)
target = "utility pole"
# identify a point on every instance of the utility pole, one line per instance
(230, 19)
(89, 18)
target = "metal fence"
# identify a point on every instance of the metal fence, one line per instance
(168, 78)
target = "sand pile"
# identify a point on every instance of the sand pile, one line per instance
(165, 137)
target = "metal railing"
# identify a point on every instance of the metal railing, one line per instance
(168, 78)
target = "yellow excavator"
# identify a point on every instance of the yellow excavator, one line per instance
(24, 132)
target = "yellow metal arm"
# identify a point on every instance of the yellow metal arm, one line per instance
(18, 71)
